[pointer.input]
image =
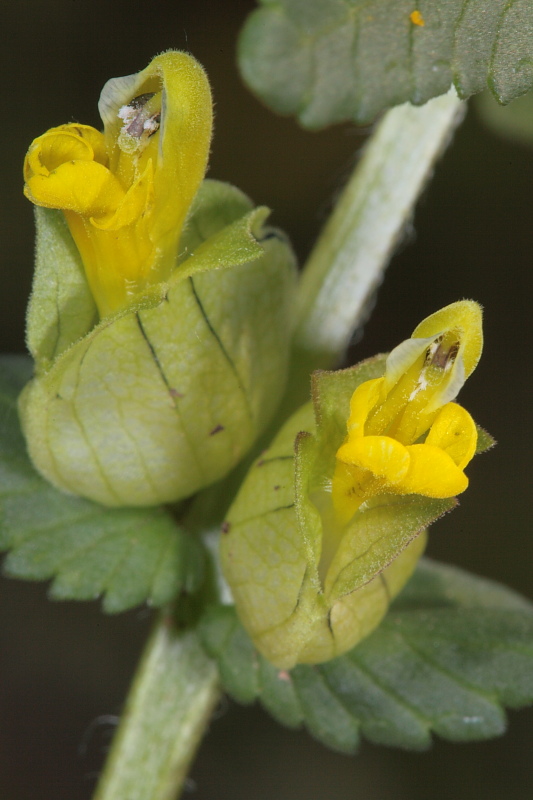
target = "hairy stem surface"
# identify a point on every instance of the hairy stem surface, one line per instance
(166, 714)
(354, 249)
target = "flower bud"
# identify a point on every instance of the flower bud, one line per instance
(330, 521)
(160, 314)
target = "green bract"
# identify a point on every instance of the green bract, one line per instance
(305, 590)
(166, 396)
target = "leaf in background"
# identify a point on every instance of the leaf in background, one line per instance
(127, 555)
(327, 61)
(452, 651)
(514, 122)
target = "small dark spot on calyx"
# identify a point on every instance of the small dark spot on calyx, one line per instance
(262, 460)
(175, 393)
(276, 488)
(216, 429)
(225, 527)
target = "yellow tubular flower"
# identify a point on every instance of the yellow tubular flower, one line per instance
(326, 529)
(126, 192)
(405, 435)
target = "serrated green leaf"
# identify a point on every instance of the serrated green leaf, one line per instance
(327, 61)
(452, 651)
(514, 122)
(326, 717)
(437, 585)
(439, 699)
(127, 555)
(278, 695)
(237, 663)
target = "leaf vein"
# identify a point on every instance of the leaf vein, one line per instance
(389, 692)
(49, 527)
(435, 665)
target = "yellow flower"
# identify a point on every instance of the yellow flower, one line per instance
(324, 533)
(405, 435)
(167, 392)
(126, 192)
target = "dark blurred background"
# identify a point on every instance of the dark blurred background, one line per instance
(65, 668)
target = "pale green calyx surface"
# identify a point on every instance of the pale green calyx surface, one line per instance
(163, 397)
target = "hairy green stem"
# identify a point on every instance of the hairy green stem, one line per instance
(351, 254)
(166, 714)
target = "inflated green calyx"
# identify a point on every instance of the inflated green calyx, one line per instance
(164, 397)
(330, 521)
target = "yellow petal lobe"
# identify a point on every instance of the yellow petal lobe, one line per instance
(454, 431)
(363, 400)
(384, 457)
(405, 435)
(84, 187)
(431, 473)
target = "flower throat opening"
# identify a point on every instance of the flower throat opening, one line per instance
(141, 119)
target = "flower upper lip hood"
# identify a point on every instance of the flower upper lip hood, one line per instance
(126, 192)
(405, 435)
